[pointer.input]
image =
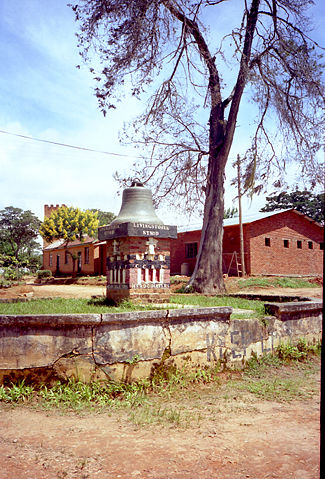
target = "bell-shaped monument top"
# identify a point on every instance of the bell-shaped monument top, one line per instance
(137, 206)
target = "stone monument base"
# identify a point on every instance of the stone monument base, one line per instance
(147, 294)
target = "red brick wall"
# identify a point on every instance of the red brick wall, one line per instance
(230, 244)
(68, 268)
(134, 245)
(100, 254)
(231, 260)
(49, 208)
(276, 259)
(261, 259)
(177, 251)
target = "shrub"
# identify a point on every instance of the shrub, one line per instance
(9, 274)
(12, 273)
(44, 273)
(4, 283)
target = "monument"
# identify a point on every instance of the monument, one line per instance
(138, 250)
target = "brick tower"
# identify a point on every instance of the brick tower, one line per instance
(47, 213)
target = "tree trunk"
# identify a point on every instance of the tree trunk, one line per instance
(74, 272)
(207, 277)
(74, 259)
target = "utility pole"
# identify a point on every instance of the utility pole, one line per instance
(241, 232)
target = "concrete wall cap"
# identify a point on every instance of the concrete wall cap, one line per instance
(220, 312)
(134, 316)
(67, 320)
(296, 306)
(278, 309)
(50, 320)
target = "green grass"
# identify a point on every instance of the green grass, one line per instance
(184, 397)
(269, 377)
(69, 306)
(209, 301)
(278, 282)
(99, 305)
(279, 389)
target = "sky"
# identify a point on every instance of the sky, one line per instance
(44, 96)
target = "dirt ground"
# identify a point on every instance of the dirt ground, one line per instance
(246, 438)
(34, 290)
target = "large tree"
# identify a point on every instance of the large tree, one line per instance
(68, 224)
(104, 217)
(306, 202)
(18, 232)
(164, 44)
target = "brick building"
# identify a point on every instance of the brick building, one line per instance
(90, 254)
(279, 242)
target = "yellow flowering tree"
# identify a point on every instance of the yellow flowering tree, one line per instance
(68, 224)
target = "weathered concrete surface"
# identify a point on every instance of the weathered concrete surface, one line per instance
(300, 309)
(39, 340)
(49, 320)
(126, 346)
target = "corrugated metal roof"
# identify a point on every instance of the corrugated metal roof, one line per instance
(233, 221)
(54, 245)
(59, 243)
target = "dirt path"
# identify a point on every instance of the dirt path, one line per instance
(33, 290)
(68, 290)
(256, 440)
(50, 290)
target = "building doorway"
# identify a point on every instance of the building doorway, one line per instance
(79, 262)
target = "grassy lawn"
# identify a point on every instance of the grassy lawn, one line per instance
(69, 306)
(255, 309)
(275, 282)
(257, 282)
(98, 305)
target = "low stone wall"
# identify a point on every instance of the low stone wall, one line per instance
(129, 346)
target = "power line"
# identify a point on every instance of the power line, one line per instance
(64, 144)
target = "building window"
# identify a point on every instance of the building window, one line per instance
(190, 250)
(50, 259)
(87, 255)
(299, 244)
(286, 243)
(66, 258)
(321, 246)
(267, 241)
(310, 245)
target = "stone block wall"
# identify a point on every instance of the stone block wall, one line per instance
(130, 346)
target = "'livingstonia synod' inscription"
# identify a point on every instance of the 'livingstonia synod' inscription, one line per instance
(136, 229)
